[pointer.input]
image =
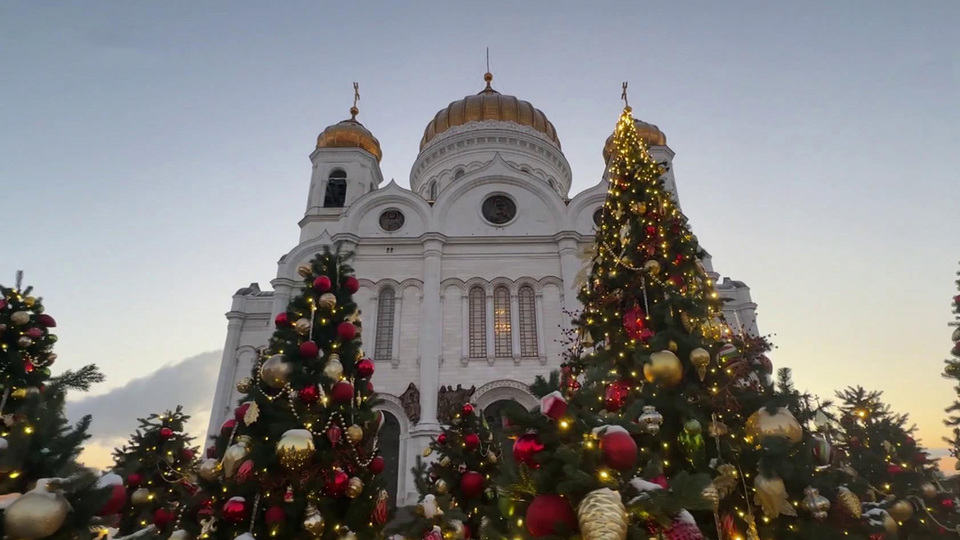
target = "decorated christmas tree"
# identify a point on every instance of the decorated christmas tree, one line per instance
(299, 459)
(155, 467)
(952, 371)
(44, 492)
(456, 496)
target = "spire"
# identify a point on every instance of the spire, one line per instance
(354, 111)
(488, 77)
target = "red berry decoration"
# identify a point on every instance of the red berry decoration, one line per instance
(526, 448)
(377, 465)
(322, 284)
(241, 411)
(471, 483)
(166, 433)
(282, 319)
(550, 515)
(342, 392)
(235, 510)
(471, 441)
(618, 448)
(163, 517)
(442, 438)
(309, 349)
(616, 395)
(346, 331)
(275, 515)
(634, 322)
(134, 480)
(365, 368)
(309, 394)
(467, 409)
(351, 284)
(46, 321)
(336, 483)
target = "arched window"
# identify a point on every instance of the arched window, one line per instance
(478, 323)
(458, 174)
(389, 442)
(502, 341)
(433, 190)
(528, 321)
(386, 305)
(496, 415)
(336, 194)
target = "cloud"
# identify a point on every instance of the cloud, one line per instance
(189, 383)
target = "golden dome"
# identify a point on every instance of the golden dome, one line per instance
(650, 134)
(489, 105)
(350, 134)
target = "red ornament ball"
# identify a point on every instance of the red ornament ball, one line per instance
(117, 500)
(467, 409)
(46, 320)
(241, 411)
(322, 284)
(351, 284)
(920, 458)
(342, 392)
(34, 333)
(550, 515)
(525, 449)
(309, 349)
(309, 394)
(282, 319)
(163, 517)
(166, 433)
(211, 451)
(346, 331)
(336, 483)
(471, 484)
(377, 465)
(471, 441)
(442, 438)
(909, 440)
(369, 387)
(661, 480)
(893, 468)
(633, 322)
(616, 395)
(228, 426)
(188, 454)
(365, 368)
(618, 448)
(235, 510)
(948, 503)
(134, 480)
(275, 515)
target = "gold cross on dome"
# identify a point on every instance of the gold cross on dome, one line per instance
(623, 95)
(356, 93)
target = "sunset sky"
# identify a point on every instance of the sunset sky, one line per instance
(153, 160)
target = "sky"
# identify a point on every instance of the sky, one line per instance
(154, 159)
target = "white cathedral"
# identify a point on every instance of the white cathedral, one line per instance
(465, 277)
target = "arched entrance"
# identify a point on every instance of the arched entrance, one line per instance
(389, 442)
(496, 417)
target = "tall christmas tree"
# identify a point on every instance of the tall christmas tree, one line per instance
(300, 457)
(952, 371)
(155, 467)
(44, 492)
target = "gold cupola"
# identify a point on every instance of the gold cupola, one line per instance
(649, 133)
(350, 134)
(489, 105)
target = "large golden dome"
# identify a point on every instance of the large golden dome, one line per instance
(350, 134)
(489, 105)
(649, 133)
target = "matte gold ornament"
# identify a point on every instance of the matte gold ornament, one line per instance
(849, 502)
(209, 470)
(354, 487)
(712, 495)
(180, 534)
(327, 301)
(928, 490)
(901, 510)
(672, 345)
(355, 433)
(234, 456)
(782, 423)
(444, 461)
(440, 486)
(36, 514)
(29, 301)
(427, 451)
(816, 504)
(700, 358)
(244, 385)
(726, 481)
(23, 342)
(295, 449)
(302, 326)
(305, 270)
(275, 372)
(333, 369)
(19, 318)
(314, 523)
(771, 496)
(652, 267)
(140, 497)
(664, 368)
(602, 516)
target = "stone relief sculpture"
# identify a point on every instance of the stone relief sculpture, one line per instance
(410, 400)
(450, 401)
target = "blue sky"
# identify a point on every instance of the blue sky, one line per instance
(154, 155)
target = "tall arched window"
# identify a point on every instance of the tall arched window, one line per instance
(389, 442)
(433, 190)
(336, 194)
(502, 340)
(386, 305)
(478, 323)
(528, 321)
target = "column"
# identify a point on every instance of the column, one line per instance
(223, 395)
(282, 289)
(488, 335)
(570, 265)
(430, 334)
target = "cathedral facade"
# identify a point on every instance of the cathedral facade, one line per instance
(467, 276)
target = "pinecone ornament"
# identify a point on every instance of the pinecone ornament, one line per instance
(602, 516)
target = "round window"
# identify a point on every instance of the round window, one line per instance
(499, 209)
(597, 215)
(391, 220)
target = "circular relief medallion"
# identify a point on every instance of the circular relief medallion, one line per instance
(391, 220)
(499, 209)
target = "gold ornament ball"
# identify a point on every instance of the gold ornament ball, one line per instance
(444, 461)
(354, 487)
(928, 490)
(327, 301)
(313, 523)
(295, 449)
(140, 496)
(664, 368)
(20, 318)
(355, 433)
(602, 516)
(35, 515)
(782, 423)
(333, 369)
(700, 358)
(18, 393)
(275, 371)
(305, 270)
(890, 526)
(209, 470)
(234, 456)
(901, 510)
(672, 345)
(302, 325)
(244, 385)
(440, 486)
(652, 267)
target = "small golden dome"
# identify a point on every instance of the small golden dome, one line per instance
(650, 134)
(350, 134)
(489, 105)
